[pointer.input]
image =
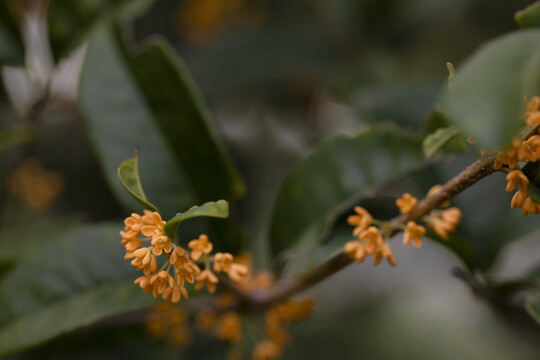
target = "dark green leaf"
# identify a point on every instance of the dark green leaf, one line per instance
(119, 121)
(128, 173)
(529, 17)
(71, 22)
(532, 306)
(185, 122)
(218, 209)
(148, 101)
(486, 99)
(70, 282)
(11, 41)
(435, 141)
(339, 173)
(17, 242)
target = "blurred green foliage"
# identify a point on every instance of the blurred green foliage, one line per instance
(316, 106)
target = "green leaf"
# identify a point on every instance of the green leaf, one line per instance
(68, 283)
(532, 306)
(71, 22)
(11, 41)
(147, 100)
(529, 17)
(119, 121)
(435, 141)
(486, 99)
(339, 173)
(217, 209)
(17, 242)
(185, 122)
(128, 173)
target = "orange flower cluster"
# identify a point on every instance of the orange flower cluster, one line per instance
(275, 317)
(522, 151)
(221, 321)
(521, 198)
(526, 150)
(36, 186)
(183, 265)
(167, 319)
(370, 241)
(443, 222)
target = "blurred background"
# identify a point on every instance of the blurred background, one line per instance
(279, 77)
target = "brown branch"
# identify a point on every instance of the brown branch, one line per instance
(281, 291)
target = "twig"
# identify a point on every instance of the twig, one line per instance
(281, 291)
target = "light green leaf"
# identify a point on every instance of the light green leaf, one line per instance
(337, 175)
(532, 306)
(529, 17)
(71, 22)
(128, 173)
(486, 99)
(70, 282)
(218, 209)
(435, 141)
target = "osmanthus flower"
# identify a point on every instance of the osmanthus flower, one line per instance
(372, 239)
(144, 260)
(413, 233)
(179, 257)
(266, 350)
(406, 203)
(519, 150)
(361, 220)
(153, 224)
(433, 190)
(205, 319)
(294, 310)
(130, 243)
(133, 226)
(516, 177)
(175, 294)
(223, 262)
(355, 250)
(144, 283)
(384, 251)
(171, 320)
(444, 222)
(238, 272)
(262, 280)
(200, 246)
(187, 272)
(160, 244)
(208, 278)
(229, 327)
(160, 281)
(530, 206)
(180, 335)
